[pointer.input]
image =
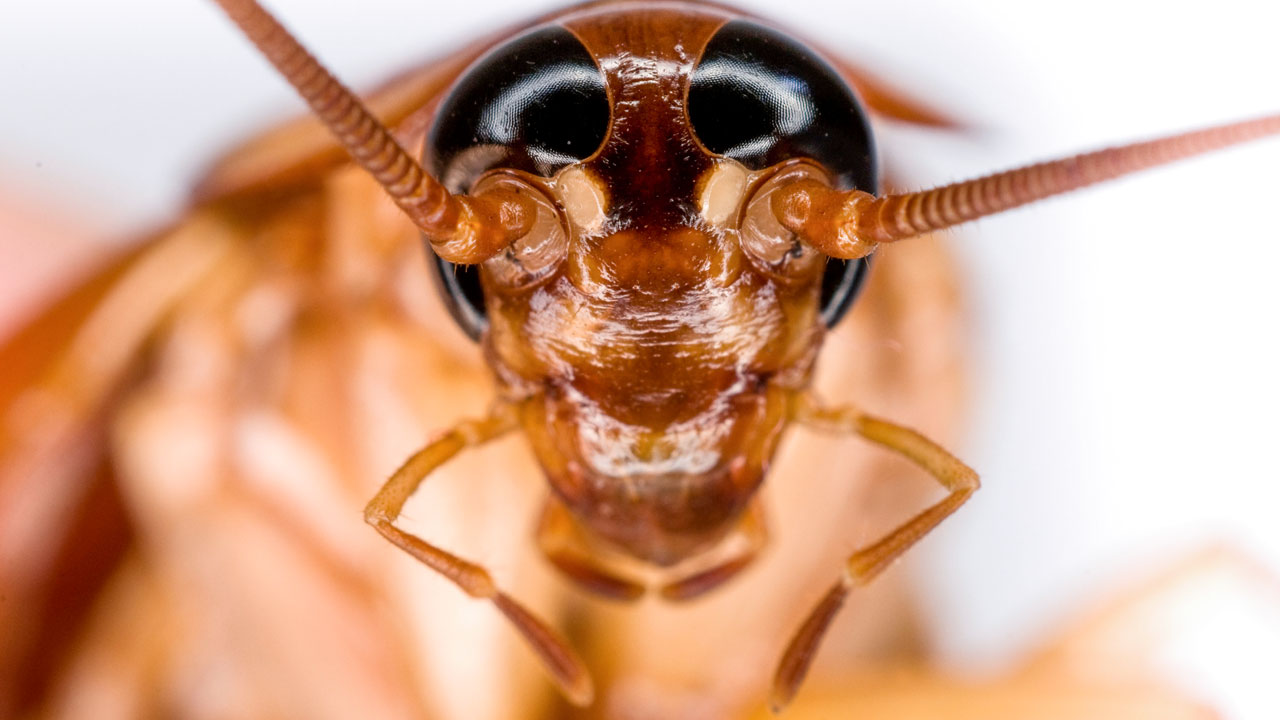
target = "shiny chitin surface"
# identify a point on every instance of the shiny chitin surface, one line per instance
(656, 362)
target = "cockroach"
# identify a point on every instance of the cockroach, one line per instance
(653, 284)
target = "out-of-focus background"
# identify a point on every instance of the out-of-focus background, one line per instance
(1125, 355)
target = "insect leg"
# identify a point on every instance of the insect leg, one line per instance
(566, 669)
(863, 565)
(561, 541)
(756, 533)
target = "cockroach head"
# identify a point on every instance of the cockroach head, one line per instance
(689, 129)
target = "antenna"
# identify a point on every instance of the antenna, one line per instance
(851, 224)
(461, 229)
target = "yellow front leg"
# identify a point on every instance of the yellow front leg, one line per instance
(564, 666)
(867, 562)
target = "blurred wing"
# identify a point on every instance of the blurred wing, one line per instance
(62, 527)
(65, 367)
(239, 385)
(25, 581)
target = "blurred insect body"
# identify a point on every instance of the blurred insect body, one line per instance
(652, 312)
(655, 282)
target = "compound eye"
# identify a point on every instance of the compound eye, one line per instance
(759, 97)
(535, 103)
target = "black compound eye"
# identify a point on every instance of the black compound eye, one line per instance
(759, 97)
(535, 103)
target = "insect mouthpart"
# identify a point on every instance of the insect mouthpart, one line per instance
(662, 489)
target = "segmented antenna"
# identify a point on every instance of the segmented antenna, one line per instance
(851, 224)
(461, 229)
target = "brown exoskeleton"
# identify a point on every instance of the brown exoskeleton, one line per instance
(662, 199)
(717, 195)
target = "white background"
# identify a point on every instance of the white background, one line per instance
(1125, 388)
